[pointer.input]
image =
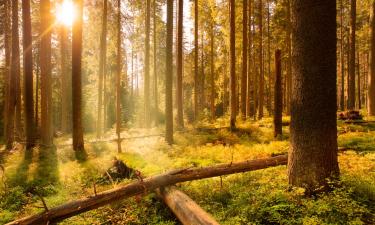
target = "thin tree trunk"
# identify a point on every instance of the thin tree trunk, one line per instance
(156, 98)
(180, 111)
(102, 69)
(249, 65)
(288, 81)
(118, 78)
(213, 92)
(269, 102)
(169, 75)
(359, 82)
(78, 144)
(353, 14)
(261, 63)
(342, 57)
(28, 75)
(313, 153)
(232, 8)
(196, 52)
(147, 66)
(7, 46)
(244, 59)
(371, 75)
(278, 102)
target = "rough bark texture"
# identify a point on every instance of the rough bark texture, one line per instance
(371, 77)
(185, 209)
(78, 144)
(45, 74)
(118, 78)
(278, 113)
(169, 75)
(232, 8)
(313, 152)
(147, 66)
(149, 184)
(180, 111)
(28, 75)
(102, 70)
(351, 81)
(244, 60)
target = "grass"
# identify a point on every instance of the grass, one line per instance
(259, 197)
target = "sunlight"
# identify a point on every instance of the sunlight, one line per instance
(65, 13)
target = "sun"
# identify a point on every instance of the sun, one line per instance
(65, 13)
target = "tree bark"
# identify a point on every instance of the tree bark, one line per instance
(118, 78)
(371, 77)
(156, 98)
(244, 59)
(149, 184)
(45, 74)
(232, 8)
(351, 88)
(278, 102)
(66, 80)
(250, 71)
(213, 92)
(78, 144)
(313, 152)
(288, 81)
(28, 75)
(342, 57)
(180, 111)
(358, 82)
(7, 46)
(196, 53)
(185, 209)
(169, 75)
(147, 66)
(261, 62)
(102, 69)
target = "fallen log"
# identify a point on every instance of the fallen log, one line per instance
(150, 184)
(185, 209)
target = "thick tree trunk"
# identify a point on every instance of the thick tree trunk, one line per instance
(147, 66)
(78, 144)
(180, 111)
(261, 62)
(28, 75)
(185, 209)
(169, 75)
(102, 69)
(278, 102)
(118, 78)
(149, 184)
(313, 152)
(66, 80)
(196, 53)
(351, 81)
(232, 8)
(45, 74)
(244, 59)
(371, 76)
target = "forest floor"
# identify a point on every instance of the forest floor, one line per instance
(258, 197)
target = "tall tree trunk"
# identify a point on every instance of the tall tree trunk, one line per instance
(147, 66)
(66, 80)
(156, 98)
(232, 9)
(250, 71)
(244, 59)
(7, 46)
(196, 52)
(169, 75)
(278, 101)
(288, 81)
(342, 57)
(371, 76)
(78, 144)
(45, 74)
(180, 111)
(16, 61)
(353, 14)
(202, 98)
(213, 92)
(269, 99)
(118, 77)
(261, 62)
(359, 82)
(313, 152)
(28, 75)
(102, 69)
(37, 88)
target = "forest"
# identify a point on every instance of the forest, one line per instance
(191, 112)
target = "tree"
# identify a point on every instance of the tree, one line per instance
(28, 75)
(342, 91)
(66, 80)
(249, 96)
(7, 55)
(169, 75)
(261, 63)
(289, 63)
(244, 60)
(102, 70)
(278, 102)
(156, 99)
(180, 111)
(232, 64)
(78, 144)
(196, 53)
(118, 78)
(371, 78)
(45, 74)
(147, 65)
(213, 91)
(351, 81)
(313, 153)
